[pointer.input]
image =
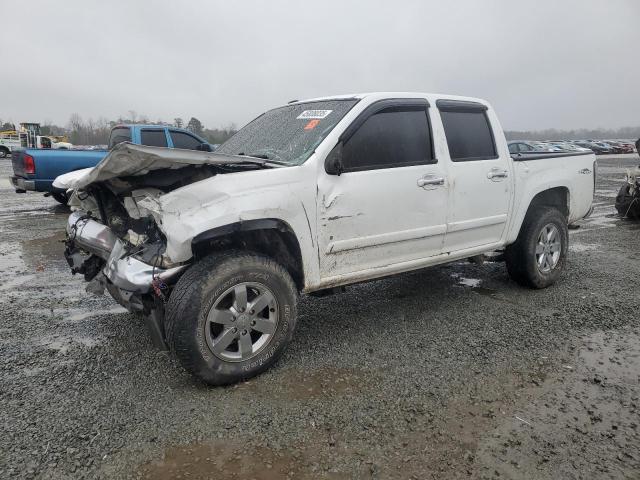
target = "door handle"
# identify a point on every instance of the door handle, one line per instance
(496, 174)
(430, 181)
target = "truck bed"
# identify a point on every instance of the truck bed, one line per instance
(48, 165)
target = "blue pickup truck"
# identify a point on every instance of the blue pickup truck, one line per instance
(35, 169)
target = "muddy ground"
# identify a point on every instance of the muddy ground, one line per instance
(454, 372)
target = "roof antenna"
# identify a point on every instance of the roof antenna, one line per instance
(292, 101)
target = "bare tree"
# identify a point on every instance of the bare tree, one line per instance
(133, 115)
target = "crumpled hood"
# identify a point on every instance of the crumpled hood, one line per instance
(127, 159)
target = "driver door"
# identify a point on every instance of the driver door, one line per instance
(389, 205)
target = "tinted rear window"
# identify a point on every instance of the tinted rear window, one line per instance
(153, 138)
(469, 135)
(119, 135)
(184, 140)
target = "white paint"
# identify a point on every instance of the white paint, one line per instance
(310, 114)
(359, 225)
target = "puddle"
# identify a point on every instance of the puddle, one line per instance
(11, 261)
(613, 357)
(30, 256)
(15, 282)
(469, 282)
(602, 217)
(606, 193)
(581, 422)
(40, 253)
(224, 461)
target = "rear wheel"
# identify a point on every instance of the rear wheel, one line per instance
(4, 152)
(538, 256)
(231, 316)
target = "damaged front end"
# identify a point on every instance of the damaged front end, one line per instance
(95, 251)
(130, 266)
(115, 235)
(114, 240)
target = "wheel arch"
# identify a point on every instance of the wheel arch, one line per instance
(558, 197)
(269, 236)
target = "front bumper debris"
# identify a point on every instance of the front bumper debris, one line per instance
(133, 275)
(129, 274)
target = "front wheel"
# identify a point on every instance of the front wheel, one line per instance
(231, 316)
(4, 152)
(60, 197)
(539, 254)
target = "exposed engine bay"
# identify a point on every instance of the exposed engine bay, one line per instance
(113, 238)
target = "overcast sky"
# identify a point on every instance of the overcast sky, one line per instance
(541, 63)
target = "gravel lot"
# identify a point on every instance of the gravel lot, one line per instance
(453, 372)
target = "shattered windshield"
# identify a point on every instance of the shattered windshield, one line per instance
(289, 134)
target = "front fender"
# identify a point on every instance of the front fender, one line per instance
(228, 202)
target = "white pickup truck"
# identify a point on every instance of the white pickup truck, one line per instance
(215, 247)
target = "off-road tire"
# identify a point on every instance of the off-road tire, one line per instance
(195, 293)
(521, 255)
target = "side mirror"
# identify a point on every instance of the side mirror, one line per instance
(205, 147)
(333, 163)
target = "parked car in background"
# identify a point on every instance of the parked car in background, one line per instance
(569, 147)
(594, 147)
(605, 146)
(521, 146)
(620, 147)
(215, 247)
(548, 147)
(35, 169)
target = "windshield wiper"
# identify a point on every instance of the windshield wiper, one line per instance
(261, 156)
(255, 155)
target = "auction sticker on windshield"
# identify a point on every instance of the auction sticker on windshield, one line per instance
(308, 114)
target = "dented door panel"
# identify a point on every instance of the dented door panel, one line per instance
(372, 219)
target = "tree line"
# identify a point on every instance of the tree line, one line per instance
(96, 132)
(626, 133)
(81, 131)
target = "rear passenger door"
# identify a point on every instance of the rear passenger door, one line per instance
(481, 190)
(153, 137)
(184, 140)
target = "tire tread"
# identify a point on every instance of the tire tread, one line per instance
(180, 304)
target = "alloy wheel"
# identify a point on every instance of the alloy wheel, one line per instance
(241, 322)
(548, 248)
